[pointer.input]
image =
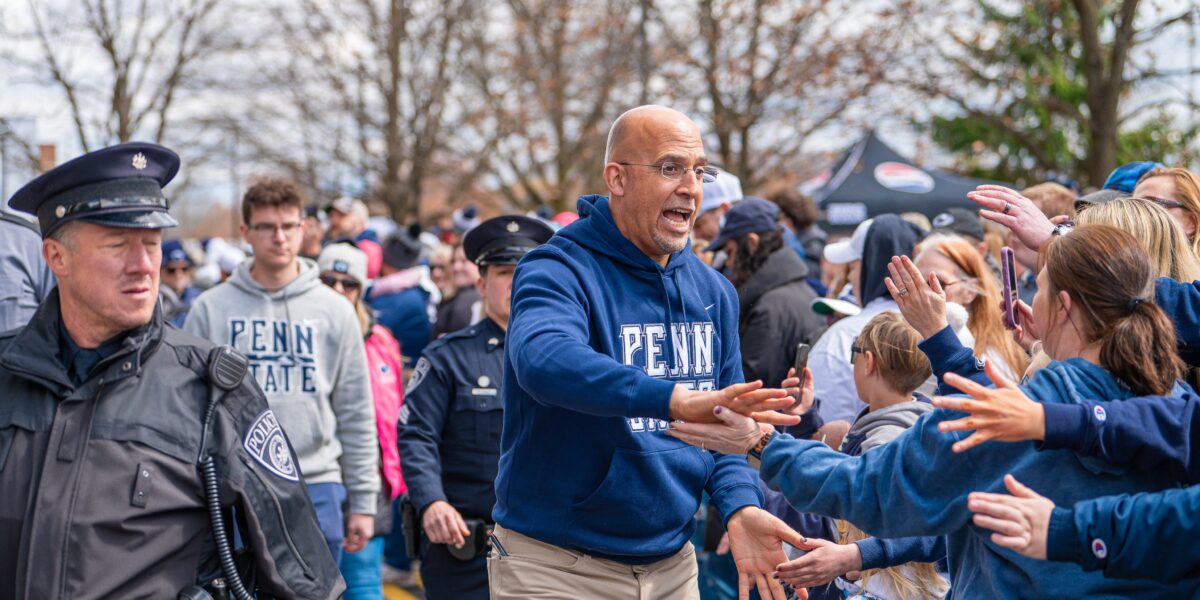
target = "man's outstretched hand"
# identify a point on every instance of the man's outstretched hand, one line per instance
(756, 538)
(749, 399)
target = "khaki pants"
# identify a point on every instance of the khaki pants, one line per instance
(536, 570)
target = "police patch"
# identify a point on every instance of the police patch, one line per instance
(266, 444)
(419, 373)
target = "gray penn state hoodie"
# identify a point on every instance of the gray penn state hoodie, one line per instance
(306, 352)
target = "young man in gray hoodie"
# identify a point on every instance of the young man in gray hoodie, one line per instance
(306, 351)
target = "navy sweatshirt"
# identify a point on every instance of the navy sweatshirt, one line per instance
(1151, 535)
(599, 336)
(1181, 301)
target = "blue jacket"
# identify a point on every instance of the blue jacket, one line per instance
(1181, 301)
(1150, 433)
(599, 336)
(1131, 536)
(916, 485)
(947, 354)
(406, 315)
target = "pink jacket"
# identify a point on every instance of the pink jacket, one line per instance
(387, 389)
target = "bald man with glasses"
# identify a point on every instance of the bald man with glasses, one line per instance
(616, 330)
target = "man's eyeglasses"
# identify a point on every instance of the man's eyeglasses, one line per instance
(1163, 202)
(674, 171)
(855, 350)
(265, 229)
(347, 283)
(174, 270)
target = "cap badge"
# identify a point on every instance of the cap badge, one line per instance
(139, 161)
(341, 266)
(513, 227)
(943, 220)
(60, 212)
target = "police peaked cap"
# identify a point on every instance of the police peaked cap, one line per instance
(118, 186)
(504, 240)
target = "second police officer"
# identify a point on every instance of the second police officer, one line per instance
(452, 416)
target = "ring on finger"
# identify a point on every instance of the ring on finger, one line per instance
(1007, 207)
(903, 292)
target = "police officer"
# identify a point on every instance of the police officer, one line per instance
(103, 412)
(450, 423)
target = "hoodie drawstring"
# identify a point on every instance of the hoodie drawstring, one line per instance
(662, 279)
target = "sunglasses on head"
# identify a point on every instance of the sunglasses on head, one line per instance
(347, 283)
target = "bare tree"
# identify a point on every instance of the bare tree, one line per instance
(771, 73)
(121, 67)
(550, 82)
(363, 96)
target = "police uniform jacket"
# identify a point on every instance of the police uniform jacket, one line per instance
(451, 420)
(24, 278)
(101, 496)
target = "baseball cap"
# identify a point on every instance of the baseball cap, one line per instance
(724, 188)
(833, 306)
(850, 249)
(172, 251)
(1098, 197)
(344, 205)
(1125, 177)
(751, 215)
(959, 221)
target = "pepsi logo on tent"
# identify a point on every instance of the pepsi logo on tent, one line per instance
(903, 178)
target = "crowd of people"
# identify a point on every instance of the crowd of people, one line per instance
(986, 402)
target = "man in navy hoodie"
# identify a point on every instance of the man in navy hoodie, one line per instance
(616, 330)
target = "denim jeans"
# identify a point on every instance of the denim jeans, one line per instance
(362, 571)
(327, 498)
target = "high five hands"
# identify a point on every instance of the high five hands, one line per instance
(749, 399)
(741, 417)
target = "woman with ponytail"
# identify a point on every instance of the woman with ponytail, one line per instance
(1107, 339)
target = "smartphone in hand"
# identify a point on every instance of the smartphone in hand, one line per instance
(1008, 275)
(801, 360)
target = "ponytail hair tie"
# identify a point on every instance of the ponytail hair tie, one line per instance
(1132, 306)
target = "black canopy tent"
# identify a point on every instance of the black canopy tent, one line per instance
(872, 179)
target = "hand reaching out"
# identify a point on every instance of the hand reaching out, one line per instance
(922, 300)
(822, 564)
(1021, 522)
(749, 399)
(802, 395)
(1003, 413)
(1014, 211)
(756, 538)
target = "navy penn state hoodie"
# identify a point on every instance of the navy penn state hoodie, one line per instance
(599, 335)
